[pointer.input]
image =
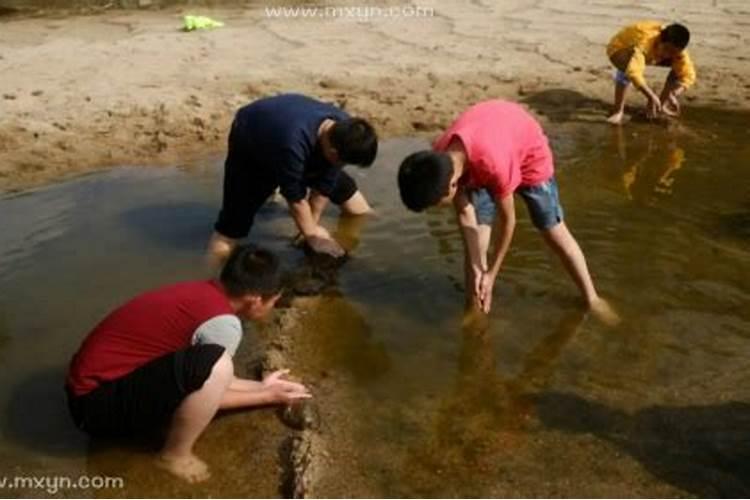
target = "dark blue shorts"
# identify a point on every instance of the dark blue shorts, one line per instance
(542, 201)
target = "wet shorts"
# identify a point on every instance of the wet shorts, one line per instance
(144, 400)
(542, 201)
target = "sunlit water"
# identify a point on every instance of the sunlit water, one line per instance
(663, 216)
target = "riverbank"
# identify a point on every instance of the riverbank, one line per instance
(121, 87)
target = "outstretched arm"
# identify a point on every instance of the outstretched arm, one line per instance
(467, 221)
(274, 389)
(635, 72)
(318, 203)
(505, 226)
(316, 235)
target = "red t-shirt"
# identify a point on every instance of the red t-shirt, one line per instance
(151, 325)
(505, 146)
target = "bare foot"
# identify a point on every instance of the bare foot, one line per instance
(189, 468)
(602, 310)
(616, 118)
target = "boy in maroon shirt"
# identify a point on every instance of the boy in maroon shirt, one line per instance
(164, 360)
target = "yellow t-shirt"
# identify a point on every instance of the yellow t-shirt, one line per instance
(636, 46)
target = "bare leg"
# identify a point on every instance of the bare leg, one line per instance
(219, 248)
(349, 229)
(356, 205)
(618, 112)
(566, 247)
(190, 420)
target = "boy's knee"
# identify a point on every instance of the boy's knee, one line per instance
(356, 205)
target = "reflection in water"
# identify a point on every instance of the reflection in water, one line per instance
(650, 172)
(349, 229)
(485, 414)
(425, 411)
(336, 336)
(37, 417)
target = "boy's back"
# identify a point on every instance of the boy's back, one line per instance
(285, 120)
(505, 145)
(148, 326)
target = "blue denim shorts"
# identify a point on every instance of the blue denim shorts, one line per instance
(542, 201)
(621, 78)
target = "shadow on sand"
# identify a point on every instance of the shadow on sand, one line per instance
(704, 450)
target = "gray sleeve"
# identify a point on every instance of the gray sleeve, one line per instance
(225, 330)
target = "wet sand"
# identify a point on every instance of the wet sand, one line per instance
(128, 88)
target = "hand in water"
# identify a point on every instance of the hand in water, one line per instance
(486, 285)
(327, 246)
(654, 108)
(604, 312)
(671, 105)
(323, 242)
(283, 390)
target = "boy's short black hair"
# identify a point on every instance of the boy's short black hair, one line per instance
(355, 141)
(424, 178)
(676, 34)
(251, 270)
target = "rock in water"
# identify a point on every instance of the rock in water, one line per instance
(300, 416)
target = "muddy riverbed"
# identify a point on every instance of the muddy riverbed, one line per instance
(539, 400)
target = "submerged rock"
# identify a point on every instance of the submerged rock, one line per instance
(300, 416)
(317, 273)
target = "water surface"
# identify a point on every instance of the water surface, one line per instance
(542, 400)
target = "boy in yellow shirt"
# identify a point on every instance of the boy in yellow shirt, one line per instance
(651, 43)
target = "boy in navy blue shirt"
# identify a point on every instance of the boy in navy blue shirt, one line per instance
(297, 144)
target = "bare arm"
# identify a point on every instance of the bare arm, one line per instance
(316, 235)
(506, 225)
(635, 72)
(318, 203)
(467, 221)
(303, 216)
(243, 384)
(234, 399)
(274, 389)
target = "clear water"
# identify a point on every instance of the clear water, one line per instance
(540, 401)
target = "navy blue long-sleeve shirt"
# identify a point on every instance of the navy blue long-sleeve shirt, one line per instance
(282, 134)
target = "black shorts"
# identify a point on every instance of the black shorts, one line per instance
(144, 400)
(246, 189)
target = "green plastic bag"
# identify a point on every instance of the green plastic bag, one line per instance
(192, 23)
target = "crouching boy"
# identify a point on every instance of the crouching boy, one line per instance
(163, 361)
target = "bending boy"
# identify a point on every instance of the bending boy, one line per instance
(492, 151)
(299, 145)
(654, 44)
(163, 361)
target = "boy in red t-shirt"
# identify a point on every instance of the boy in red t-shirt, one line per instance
(164, 360)
(493, 150)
